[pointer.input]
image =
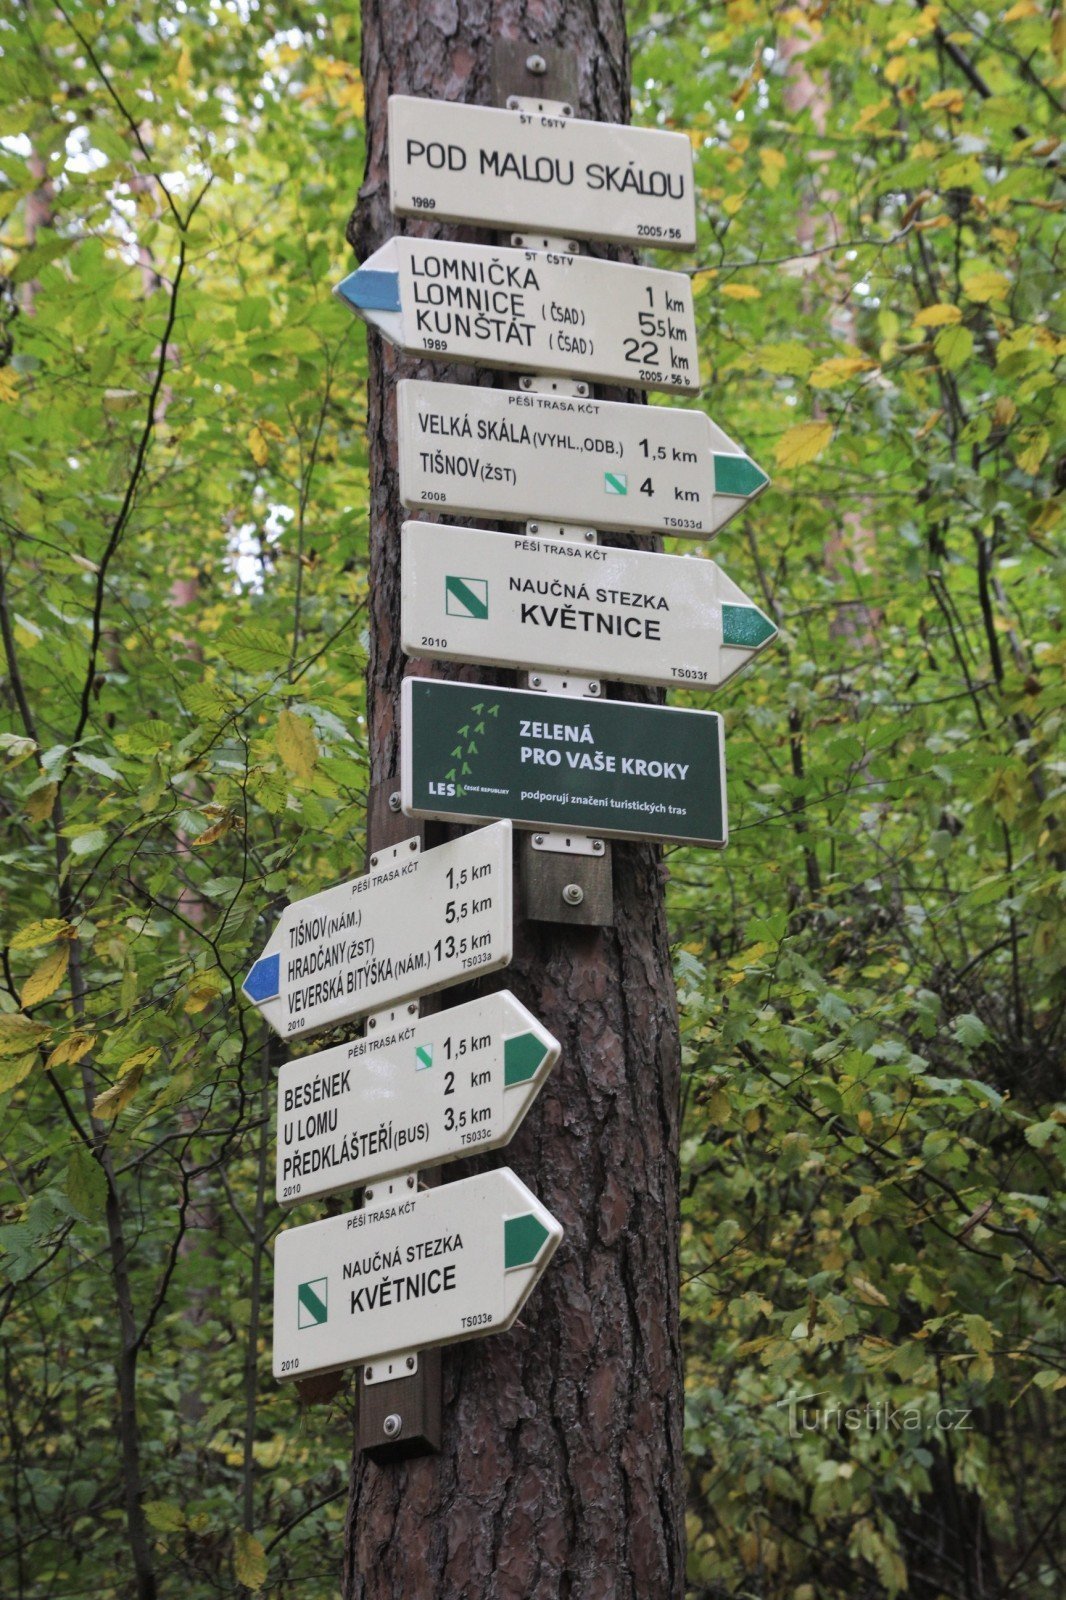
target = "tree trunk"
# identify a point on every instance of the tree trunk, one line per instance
(561, 1472)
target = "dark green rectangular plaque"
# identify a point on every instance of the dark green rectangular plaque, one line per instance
(471, 753)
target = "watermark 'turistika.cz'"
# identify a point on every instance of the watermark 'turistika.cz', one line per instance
(805, 1415)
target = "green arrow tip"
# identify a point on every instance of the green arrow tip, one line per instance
(738, 475)
(745, 626)
(523, 1239)
(523, 1057)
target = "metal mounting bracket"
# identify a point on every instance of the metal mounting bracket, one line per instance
(566, 386)
(559, 530)
(557, 244)
(396, 852)
(534, 106)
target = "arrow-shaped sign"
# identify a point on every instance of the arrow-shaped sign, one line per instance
(417, 1093)
(421, 1268)
(416, 923)
(501, 453)
(531, 311)
(570, 606)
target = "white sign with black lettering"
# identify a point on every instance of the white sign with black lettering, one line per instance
(417, 922)
(508, 454)
(531, 311)
(564, 605)
(425, 1267)
(521, 169)
(412, 1093)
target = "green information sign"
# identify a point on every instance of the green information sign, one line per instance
(471, 753)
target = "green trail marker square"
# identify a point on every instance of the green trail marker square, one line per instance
(466, 597)
(616, 483)
(423, 1057)
(312, 1303)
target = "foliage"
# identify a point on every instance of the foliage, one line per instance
(870, 978)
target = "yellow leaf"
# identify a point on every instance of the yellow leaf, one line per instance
(740, 291)
(896, 69)
(1004, 411)
(184, 67)
(696, 137)
(701, 281)
(930, 423)
(296, 745)
(802, 443)
(9, 386)
(216, 830)
(14, 1069)
(73, 1048)
(258, 446)
(33, 934)
(937, 316)
(829, 374)
(19, 1034)
(1033, 447)
(950, 100)
(732, 204)
(771, 165)
(870, 114)
(41, 802)
(866, 1291)
(249, 1561)
(117, 1098)
(986, 284)
(46, 977)
(1023, 8)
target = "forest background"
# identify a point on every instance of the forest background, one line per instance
(870, 976)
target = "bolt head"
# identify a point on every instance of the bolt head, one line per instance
(368, 1194)
(411, 1182)
(597, 845)
(368, 1373)
(538, 838)
(573, 894)
(536, 65)
(535, 680)
(394, 801)
(412, 1007)
(392, 1424)
(594, 688)
(534, 527)
(590, 536)
(410, 1363)
(373, 861)
(413, 845)
(568, 111)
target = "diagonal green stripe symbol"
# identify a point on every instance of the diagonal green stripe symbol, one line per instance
(423, 1056)
(737, 475)
(311, 1301)
(523, 1239)
(615, 483)
(522, 1057)
(745, 626)
(470, 597)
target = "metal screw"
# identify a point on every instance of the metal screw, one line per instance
(368, 1194)
(594, 688)
(413, 1007)
(538, 838)
(526, 383)
(573, 894)
(535, 680)
(413, 844)
(392, 1424)
(568, 111)
(536, 65)
(571, 244)
(597, 845)
(371, 1022)
(582, 388)
(411, 1182)
(512, 102)
(410, 1363)
(394, 801)
(368, 1373)
(534, 527)
(590, 536)
(373, 861)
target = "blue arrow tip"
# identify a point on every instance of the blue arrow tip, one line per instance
(368, 290)
(264, 980)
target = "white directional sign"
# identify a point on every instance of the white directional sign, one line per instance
(569, 606)
(531, 311)
(521, 169)
(503, 453)
(418, 1093)
(416, 923)
(430, 1267)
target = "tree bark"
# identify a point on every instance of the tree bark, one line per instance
(560, 1475)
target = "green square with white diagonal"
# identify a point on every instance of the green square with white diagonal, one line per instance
(466, 597)
(312, 1303)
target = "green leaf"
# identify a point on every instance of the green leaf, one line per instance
(86, 1187)
(954, 347)
(250, 1565)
